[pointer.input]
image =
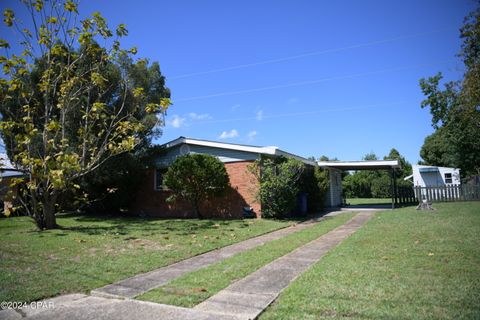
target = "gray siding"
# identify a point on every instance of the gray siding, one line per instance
(166, 159)
(334, 194)
(223, 155)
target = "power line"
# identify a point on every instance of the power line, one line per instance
(303, 83)
(308, 54)
(308, 113)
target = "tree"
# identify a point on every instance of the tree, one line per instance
(405, 166)
(69, 105)
(196, 178)
(438, 150)
(455, 108)
(279, 185)
(376, 183)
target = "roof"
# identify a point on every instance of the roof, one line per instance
(271, 151)
(6, 168)
(360, 165)
(425, 168)
(10, 173)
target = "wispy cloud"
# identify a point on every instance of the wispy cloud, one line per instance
(229, 134)
(259, 115)
(251, 135)
(196, 116)
(176, 121)
(292, 100)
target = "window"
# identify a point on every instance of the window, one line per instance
(448, 178)
(159, 186)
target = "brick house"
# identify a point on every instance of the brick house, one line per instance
(151, 198)
(7, 194)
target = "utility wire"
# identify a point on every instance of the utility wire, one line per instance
(304, 83)
(307, 113)
(309, 54)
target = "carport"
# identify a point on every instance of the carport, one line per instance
(390, 165)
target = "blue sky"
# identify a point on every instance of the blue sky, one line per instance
(335, 78)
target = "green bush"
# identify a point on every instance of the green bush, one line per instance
(322, 179)
(314, 182)
(279, 186)
(196, 178)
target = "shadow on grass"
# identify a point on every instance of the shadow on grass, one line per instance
(95, 225)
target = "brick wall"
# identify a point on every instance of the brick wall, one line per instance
(241, 194)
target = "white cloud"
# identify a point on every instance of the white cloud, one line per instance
(176, 121)
(292, 100)
(235, 107)
(229, 134)
(259, 115)
(196, 116)
(251, 135)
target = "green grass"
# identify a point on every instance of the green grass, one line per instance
(362, 201)
(404, 264)
(90, 252)
(193, 288)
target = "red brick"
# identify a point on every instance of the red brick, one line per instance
(242, 193)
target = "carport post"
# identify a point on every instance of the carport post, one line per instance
(393, 188)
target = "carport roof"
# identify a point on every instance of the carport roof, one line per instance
(361, 165)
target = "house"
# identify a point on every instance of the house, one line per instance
(151, 198)
(431, 176)
(7, 172)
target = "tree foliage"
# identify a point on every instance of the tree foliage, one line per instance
(280, 183)
(455, 109)
(196, 178)
(69, 105)
(376, 183)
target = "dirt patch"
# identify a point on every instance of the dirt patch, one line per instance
(92, 251)
(147, 244)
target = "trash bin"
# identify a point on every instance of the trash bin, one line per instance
(302, 203)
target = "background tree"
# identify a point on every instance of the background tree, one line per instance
(69, 105)
(196, 178)
(438, 150)
(455, 108)
(359, 183)
(376, 183)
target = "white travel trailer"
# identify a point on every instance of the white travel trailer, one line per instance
(430, 176)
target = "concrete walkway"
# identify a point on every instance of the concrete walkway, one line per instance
(248, 297)
(245, 299)
(83, 307)
(139, 284)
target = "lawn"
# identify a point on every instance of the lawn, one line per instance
(366, 201)
(195, 287)
(90, 252)
(404, 264)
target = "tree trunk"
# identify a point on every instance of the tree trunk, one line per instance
(49, 214)
(197, 209)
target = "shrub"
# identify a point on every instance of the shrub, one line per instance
(196, 178)
(279, 186)
(314, 182)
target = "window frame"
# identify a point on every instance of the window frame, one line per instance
(448, 180)
(157, 187)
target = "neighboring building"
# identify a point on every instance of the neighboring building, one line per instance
(151, 198)
(431, 176)
(7, 172)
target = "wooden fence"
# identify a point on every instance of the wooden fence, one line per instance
(405, 195)
(447, 193)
